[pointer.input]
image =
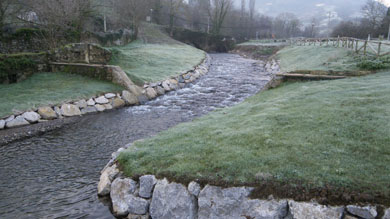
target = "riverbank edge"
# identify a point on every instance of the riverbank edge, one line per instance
(146, 197)
(36, 122)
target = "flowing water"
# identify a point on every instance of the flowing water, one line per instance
(55, 175)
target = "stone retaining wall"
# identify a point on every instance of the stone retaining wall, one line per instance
(134, 95)
(160, 199)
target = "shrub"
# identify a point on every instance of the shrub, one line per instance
(372, 63)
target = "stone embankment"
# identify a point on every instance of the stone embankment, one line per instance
(134, 95)
(150, 197)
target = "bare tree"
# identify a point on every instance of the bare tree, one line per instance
(173, 9)
(136, 10)
(375, 12)
(60, 19)
(252, 6)
(217, 12)
(8, 10)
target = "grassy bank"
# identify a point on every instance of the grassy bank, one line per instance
(326, 134)
(295, 58)
(155, 56)
(42, 89)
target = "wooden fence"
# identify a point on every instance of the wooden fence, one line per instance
(364, 47)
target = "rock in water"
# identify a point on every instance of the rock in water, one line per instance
(118, 102)
(101, 100)
(147, 184)
(129, 98)
(314, 211)
(47, 113)
(160, 90)
(2, 124)
(31, 117)
(69, 110)
(367, 212)
(120, 190)
(151, 93)
(172, 201)
(107, 176)
(18, 121)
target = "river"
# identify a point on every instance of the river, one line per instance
(55, 175)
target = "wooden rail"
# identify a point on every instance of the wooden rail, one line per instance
(359, 46)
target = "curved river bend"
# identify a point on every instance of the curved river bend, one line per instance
(55, 175)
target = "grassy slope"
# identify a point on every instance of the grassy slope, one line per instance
(323, 133)
(43, 89)
(316, 58)
(156, 57)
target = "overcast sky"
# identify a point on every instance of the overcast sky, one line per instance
(306, 9)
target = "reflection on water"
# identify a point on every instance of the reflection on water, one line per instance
(55, 175)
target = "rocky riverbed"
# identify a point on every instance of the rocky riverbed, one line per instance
(55, 174)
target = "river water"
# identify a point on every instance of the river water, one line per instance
(55, 175)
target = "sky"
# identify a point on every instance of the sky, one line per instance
(386, 2)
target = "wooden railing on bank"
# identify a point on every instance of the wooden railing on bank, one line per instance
(364, 47)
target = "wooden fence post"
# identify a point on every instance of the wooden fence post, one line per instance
(365, 48)
(379, 49)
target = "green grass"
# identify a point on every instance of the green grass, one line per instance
(319, 133)
(295, 58)
(42, 89)
(155, 56)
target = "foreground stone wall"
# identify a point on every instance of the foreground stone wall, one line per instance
(133, 95)
(160, 199)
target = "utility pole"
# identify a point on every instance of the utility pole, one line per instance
(330, 15)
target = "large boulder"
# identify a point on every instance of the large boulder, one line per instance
(18, 121)
(367, 212)
(172, 200)
(69, 110)
(129, 98)
(31, 117)
(47, 113)
(314, 211)
(121, 189)
(147, 184)
(215, 202)
(2, 124)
